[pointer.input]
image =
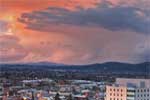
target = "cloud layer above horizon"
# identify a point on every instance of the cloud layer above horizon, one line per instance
(75, 31)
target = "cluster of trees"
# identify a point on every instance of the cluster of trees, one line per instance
(58, 98)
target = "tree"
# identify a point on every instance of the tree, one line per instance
(57, 97)
(70, 97)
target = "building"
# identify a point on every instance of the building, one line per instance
(134, 82)
(137, 89)
(142, 94)
(131, 93)
(129, 89)
(116, 93)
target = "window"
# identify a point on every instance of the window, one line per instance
(121, 90)
(141, 95)
(147, 90)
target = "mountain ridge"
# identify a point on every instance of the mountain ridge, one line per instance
(61, 64)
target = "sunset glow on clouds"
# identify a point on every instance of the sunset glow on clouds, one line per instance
(74, 31)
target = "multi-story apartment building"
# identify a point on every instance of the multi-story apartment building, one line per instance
(116, 93)
(129, 89)
(130, 93)
(140, 88)
(142, 94)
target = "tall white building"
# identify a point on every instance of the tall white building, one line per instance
(142, 94)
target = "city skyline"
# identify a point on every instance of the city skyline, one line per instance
(74, 31)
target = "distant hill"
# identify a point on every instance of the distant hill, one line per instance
(109, 67)
(45, 64)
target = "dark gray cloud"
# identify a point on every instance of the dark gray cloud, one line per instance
(112, 18)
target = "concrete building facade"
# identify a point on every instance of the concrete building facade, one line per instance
(142, 94)
(116, 93)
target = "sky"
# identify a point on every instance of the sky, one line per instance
(74, 31)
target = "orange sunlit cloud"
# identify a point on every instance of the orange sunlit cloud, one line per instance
(88, 31)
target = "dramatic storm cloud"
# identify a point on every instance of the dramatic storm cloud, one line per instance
(75, 31)
(113, 18)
